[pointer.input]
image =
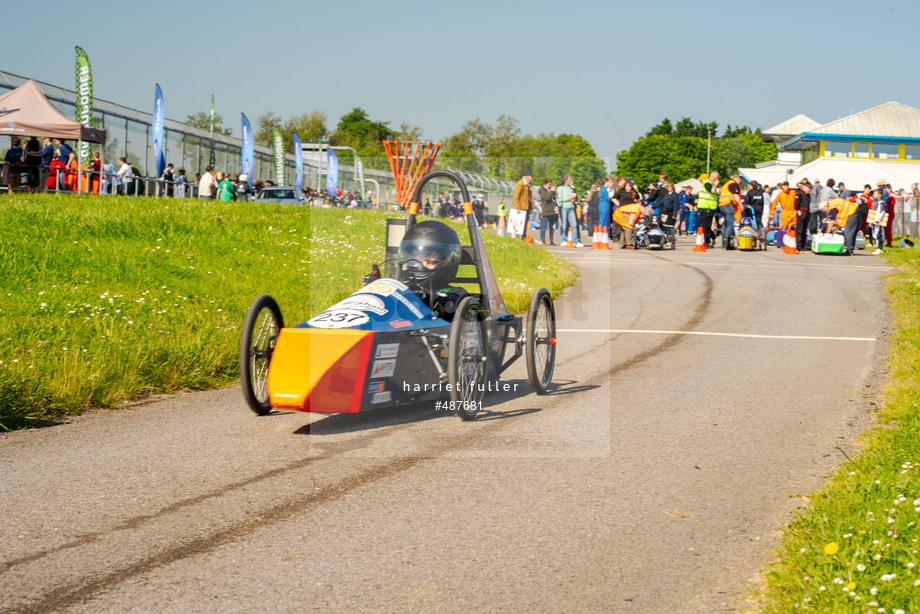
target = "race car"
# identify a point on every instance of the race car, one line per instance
(402, 338)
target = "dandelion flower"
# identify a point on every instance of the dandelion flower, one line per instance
(831, 549)
(851, 585)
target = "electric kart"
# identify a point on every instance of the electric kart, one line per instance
(386, 344)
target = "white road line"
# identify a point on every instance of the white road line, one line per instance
(711, 334)
(773, 265)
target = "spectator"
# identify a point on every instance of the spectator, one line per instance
(14, 160)
(803, 213)
(815, 215)
(687, 217)
(547, 210)
(110, 180)
(168, 178)
(64, 151)
(754, 200)
(32, 161)
(243, 191)
(226, 191)
(95, 167)
(669, 204)
(207, 187)
(522, 200)
(565, 199)
(181, 180)
(842, 191)
(47, 157)
(706, 205)
(126, 177)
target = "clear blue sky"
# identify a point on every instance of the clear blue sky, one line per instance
(605, 70)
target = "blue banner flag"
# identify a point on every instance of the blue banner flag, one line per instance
(298, 161)
(247, 154)
(332, 172)
(158, 153)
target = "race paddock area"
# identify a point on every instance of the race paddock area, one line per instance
(698, 399)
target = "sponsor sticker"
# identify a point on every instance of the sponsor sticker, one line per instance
(397, 324)
(382, 397)
(405, 301)
(362, 302)
(339, 318)
(375, 387)
(384, 286)
(387, 350)
(383, 368)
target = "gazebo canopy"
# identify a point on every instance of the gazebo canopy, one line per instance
(26, 112)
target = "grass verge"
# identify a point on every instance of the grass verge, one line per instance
(110, 299)
(856, 548)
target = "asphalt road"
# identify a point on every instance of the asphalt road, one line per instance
(698, 399)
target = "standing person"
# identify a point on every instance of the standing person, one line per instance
(548, 214)
(754, 200)
(814, 206)
(13, 159)
(126, 177)
(685, 214)
(95, 175)
(64, 151)
(181, 180)
(624, 195)
(225, 188)
(669, 205)
(522, 200)
(889, 225)
(876, 227)
(842, 190)
(32, 161)
(803, 214)
(911, 208)
(729, 204)
(47, 157)
(110, 180)
(604, 207)
(565, 198)
(243, 191)
(846, 214)
(706, 204)
(168, 178)
(502, 217)
(207, 187)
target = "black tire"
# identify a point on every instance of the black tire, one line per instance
(260, 333)
(540, 340)
(467, 358)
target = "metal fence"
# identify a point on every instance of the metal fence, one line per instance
(129, 135)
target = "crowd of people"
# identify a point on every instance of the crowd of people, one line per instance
(714, 210)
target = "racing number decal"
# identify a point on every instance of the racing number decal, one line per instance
(339, 318)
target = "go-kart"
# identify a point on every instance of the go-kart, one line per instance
(384, 345)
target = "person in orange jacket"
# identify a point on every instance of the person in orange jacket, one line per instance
(786, 200)
(625, 216)
(730, 207)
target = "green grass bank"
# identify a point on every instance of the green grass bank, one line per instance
(110, 299)
(855, 549)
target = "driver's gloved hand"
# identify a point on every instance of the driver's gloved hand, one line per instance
(373, 276)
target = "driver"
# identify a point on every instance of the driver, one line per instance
(429, 258)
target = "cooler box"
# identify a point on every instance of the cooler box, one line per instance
(827, 244)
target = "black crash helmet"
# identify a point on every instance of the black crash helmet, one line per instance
(430, 250)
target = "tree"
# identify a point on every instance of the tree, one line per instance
(263, 135)
(408, 132)
(663, 129)
(202, 120)
(310, 127)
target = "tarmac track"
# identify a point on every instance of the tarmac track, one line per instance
(653, 477)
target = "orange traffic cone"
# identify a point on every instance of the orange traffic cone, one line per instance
(700, 241)
(528, 238)
(595, 242)
(789, 242)
(605, 238)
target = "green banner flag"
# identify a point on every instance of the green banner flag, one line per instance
(278, 155)
(84, 107)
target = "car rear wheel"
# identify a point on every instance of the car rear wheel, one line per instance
(260, 333)
(467, 358)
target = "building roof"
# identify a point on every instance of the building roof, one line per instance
(855, 173)
(892, 119)
(791, 127)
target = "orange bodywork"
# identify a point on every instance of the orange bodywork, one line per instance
(319, 370)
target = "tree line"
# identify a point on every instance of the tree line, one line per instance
(500, 149)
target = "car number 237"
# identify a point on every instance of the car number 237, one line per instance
(339, 318)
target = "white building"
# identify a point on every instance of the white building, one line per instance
(880, 143)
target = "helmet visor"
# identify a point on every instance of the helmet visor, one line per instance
(428, 255)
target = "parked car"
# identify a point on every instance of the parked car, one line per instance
(283, 194)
